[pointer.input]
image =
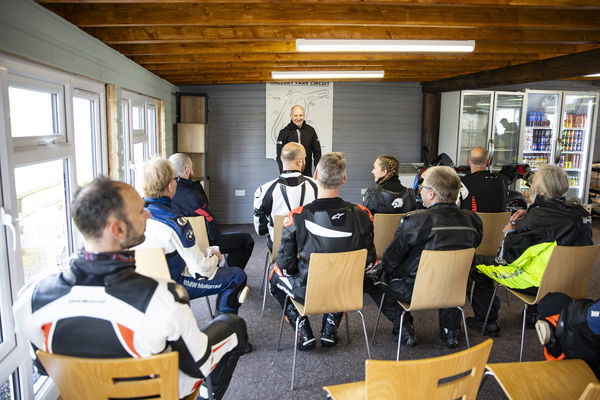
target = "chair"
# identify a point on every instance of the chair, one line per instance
(591, 392)
(271, 256)
(564, 379)
(568, 271)
(384, 229)
(199, 227)
(492, 232)
(108, 378)
(452, 376)
(441, 282)
(152, 262)
(335, 284)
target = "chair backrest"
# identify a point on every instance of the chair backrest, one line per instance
(199, 227)
(564, 379)
(335, 282)
(151, 262)
(591, 392)
(568, 271)
(97, 379)
(453, 376)
(441, 280)
(492, 232)
(384, 229)
(277, 228)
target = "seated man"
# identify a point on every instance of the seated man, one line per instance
(190, 200)
(487, 190)
(87, 310)
(282, 195)
(327, 225)
(441, 226)
(171, 231)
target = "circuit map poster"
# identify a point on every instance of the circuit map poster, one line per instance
(317, 100)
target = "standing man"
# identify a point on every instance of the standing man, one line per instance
(190, 200)
(282, 195)
(299, 131)
(441, 226)
(487, 190)
(327, 225)
(171, 231)
(92, 308)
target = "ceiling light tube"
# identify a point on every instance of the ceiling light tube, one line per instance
(591, 76)
(325, 74)
(346, 45)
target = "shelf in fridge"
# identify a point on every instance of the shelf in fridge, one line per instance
(536, 152)
(571, 152)
(583, 128)
(542, 127)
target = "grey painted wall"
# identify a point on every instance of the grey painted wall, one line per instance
(368, 119)
(30, 31)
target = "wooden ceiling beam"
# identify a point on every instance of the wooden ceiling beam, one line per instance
(526, 3)
(296, 57)
(290, 47)
(227, 14)
(166, 34)
(568, 66)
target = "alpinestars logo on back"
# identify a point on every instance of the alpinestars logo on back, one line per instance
(337, 216)
(397, 203)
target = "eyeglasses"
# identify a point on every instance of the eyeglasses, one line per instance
(421, 187)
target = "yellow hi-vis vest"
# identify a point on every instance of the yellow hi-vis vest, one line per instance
(526, 271)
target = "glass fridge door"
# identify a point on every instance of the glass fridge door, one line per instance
(507, 128)
(541, 130)
(474, 123)
(574, 144)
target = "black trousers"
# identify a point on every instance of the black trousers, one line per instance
(238, 246)
(448, 317)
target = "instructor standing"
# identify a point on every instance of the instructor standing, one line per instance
(299, 131)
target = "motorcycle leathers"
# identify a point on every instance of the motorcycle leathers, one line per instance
(487, 192)
(307, 137)
(279, 197)
(101, 308)
(442, 226)
(329, 225)
(389, 197)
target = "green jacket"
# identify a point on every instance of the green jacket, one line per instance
(526, 271)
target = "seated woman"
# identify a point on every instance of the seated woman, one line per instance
(388, 196)
(529, 239)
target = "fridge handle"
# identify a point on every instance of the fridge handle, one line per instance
(557, 150)
(490, 149)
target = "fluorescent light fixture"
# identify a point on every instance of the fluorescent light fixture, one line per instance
(592, 75)
(325, 74)
(385, 45)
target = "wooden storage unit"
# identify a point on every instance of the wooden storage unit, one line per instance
(191, 132)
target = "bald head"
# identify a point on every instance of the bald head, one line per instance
(182, 164)
(297, 115)
(293, 156)
(478, 159)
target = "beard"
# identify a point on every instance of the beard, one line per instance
(133, 238)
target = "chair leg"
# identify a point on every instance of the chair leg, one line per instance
(462, 313)
(378, 316)
(523, 332)
(487, 315)
(281, 325)
(210, 311)
(362, 319)
(265, 269)
(295, 351)
(507, 298)
(486, 374)
(471, 292)
(400, 336)
(347, 326)
(264, 288)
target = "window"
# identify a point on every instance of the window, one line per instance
(87, 130)
(140, 141)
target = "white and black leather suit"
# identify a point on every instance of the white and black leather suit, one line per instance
(101, 308)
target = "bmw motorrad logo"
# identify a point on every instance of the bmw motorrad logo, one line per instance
(182, 220)
(189, 234)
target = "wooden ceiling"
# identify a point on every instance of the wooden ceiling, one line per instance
(243, 41)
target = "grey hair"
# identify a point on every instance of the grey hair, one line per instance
(549, 181)
(445, 182)
(179, 161)
(331, 170)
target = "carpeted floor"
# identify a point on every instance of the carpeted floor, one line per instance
(265, 373)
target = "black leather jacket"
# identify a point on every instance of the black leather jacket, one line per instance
(324, 226)
(308, 139)
(487, 192)
(389, 197)
(442, 226)
(547, 220)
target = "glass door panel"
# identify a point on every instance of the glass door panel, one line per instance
(507, 129)
(474, 123)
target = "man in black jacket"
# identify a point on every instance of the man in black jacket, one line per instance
(190, 200)
(487, 190)
(327, 225)
(299, 131)
(441, 226)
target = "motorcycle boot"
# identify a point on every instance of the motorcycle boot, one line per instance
(329, 336)
(305, 339)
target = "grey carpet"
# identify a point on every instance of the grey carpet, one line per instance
(265, 373)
